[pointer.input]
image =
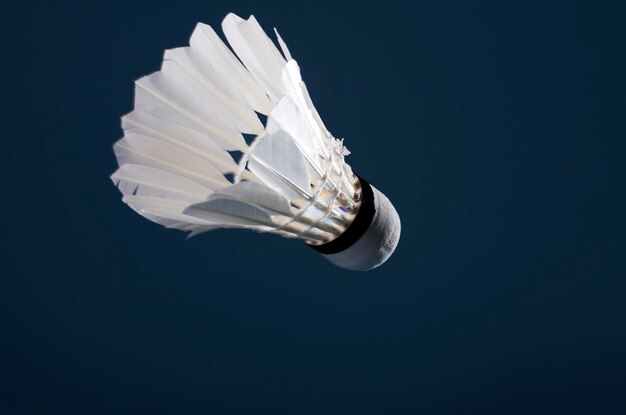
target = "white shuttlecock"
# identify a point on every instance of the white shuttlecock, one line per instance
(185, 164)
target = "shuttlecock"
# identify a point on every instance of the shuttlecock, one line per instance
(196, 157)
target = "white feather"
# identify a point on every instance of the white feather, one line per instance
(278, 161)
(230, 212)
(169, 214)
(287, 117)
(192, 67)
(175, 100)
(193, 141)
(257, 52)
(133, 179)
(258, 195)
(283, 46)
(141, 149)
(207, 42)
(294, 88)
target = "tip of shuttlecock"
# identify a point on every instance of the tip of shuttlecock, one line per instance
(371, 238)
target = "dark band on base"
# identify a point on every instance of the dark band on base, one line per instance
(357, 228)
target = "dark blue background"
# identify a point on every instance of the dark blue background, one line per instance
(492, 126)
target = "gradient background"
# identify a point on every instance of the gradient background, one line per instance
(492, 128)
